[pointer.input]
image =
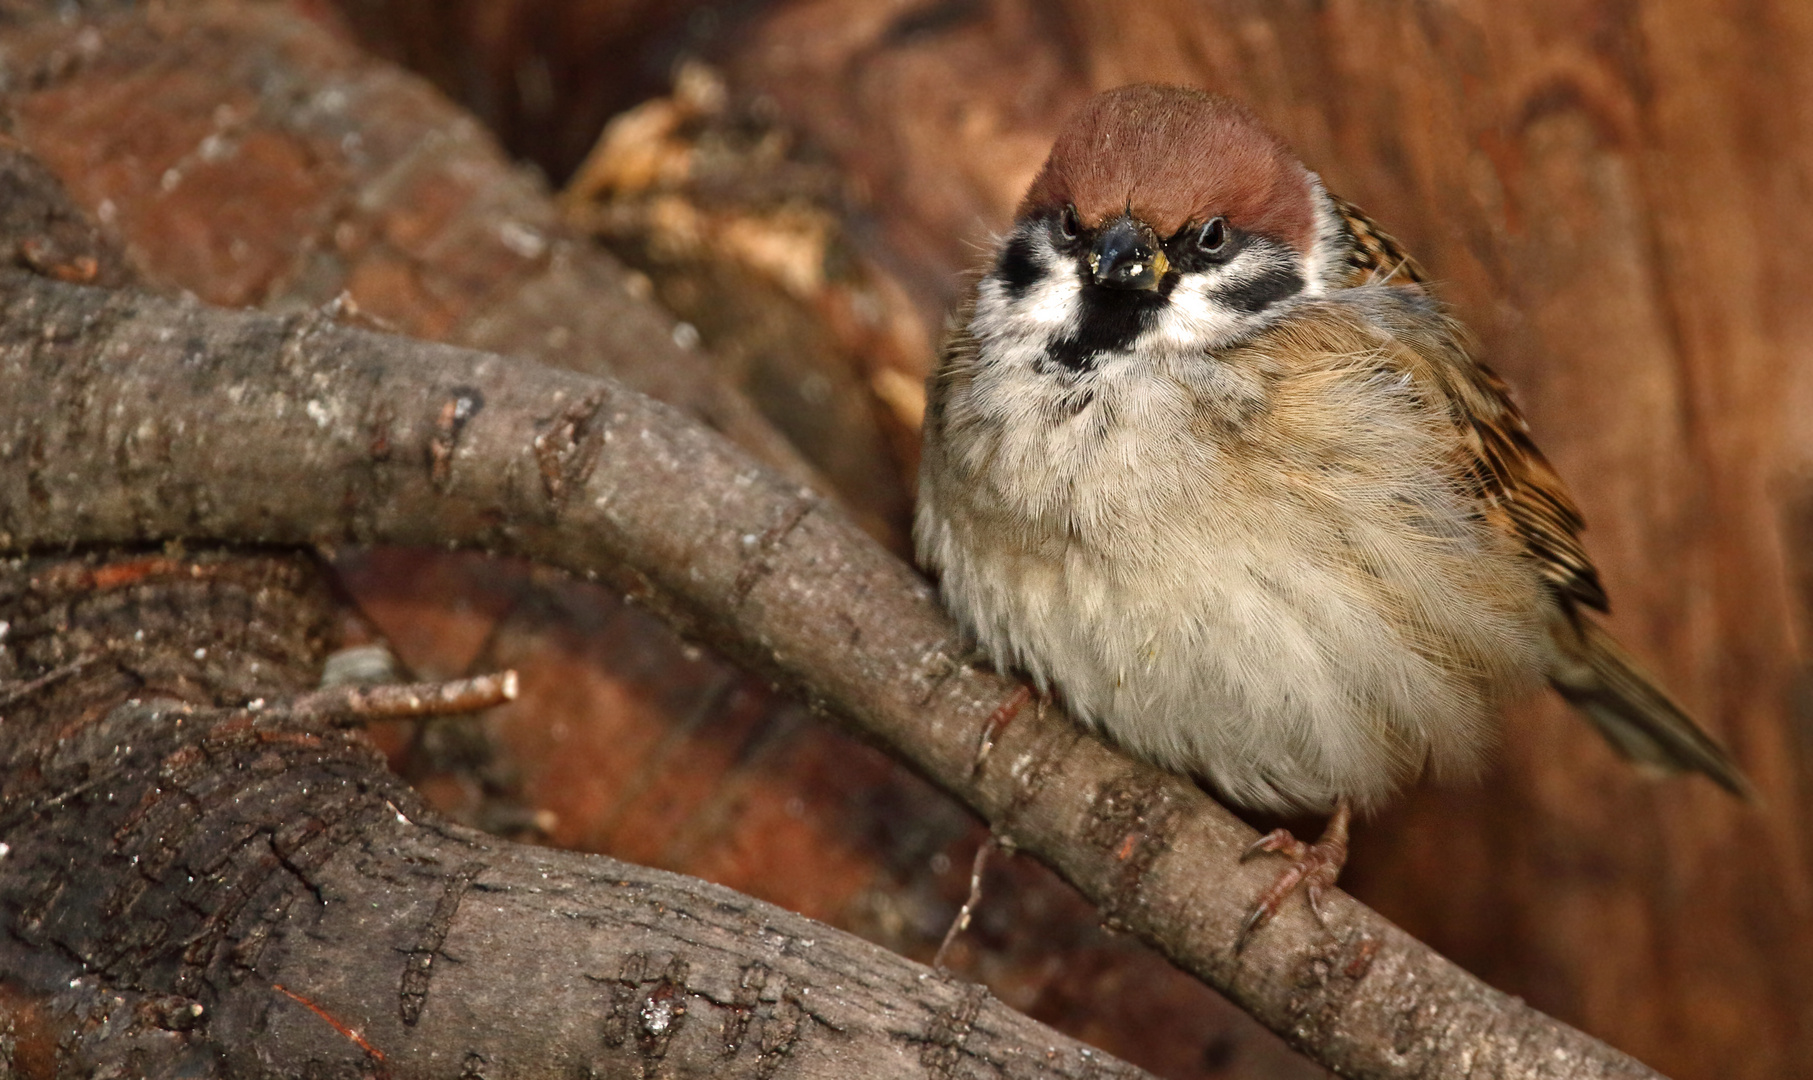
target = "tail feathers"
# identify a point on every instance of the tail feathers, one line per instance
(1635, 715)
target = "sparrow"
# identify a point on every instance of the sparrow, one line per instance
(1205, 457)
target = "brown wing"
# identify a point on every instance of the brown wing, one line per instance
(1514, 478)
(1375, 257)
(1521, 493)
(1508, 471)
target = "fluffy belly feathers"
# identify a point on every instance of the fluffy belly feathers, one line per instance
(1289, 627)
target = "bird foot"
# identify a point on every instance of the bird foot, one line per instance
(997, 722)
(1313, 868)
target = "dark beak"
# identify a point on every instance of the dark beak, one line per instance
(1127, 255)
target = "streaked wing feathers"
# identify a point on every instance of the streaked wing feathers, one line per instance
(1510, 473)
(1514, 476)
(1376, 258)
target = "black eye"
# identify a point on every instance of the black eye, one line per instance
(1214, 236)
(1068, 225)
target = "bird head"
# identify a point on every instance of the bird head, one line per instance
(1163, 216)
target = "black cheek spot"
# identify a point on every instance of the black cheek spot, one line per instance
(1252, 297)
(1017, 269)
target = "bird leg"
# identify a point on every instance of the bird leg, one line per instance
(1313, 868)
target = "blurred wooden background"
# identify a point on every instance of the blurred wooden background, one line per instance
(1614, 196)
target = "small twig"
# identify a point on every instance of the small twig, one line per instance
(405, 701)
(23, 690)
(968, 910)
(123, 573)
(377, 1054)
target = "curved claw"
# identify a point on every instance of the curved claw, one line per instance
(1278, 840)
(1272, 899)
(1313, 893)
(1313, 867)
(1259, 916)
(997, 722)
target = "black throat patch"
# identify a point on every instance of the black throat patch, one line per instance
(1110, 320)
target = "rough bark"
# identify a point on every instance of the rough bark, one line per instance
(625, 741)
(152, 421)
(297, 171)
(203, 874)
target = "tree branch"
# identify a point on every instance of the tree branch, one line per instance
(206, 873)
(181, 809)
(133, 420)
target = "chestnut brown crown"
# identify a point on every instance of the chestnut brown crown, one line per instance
(1174, 156)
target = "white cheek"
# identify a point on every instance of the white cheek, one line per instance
(1048, 308)
(1192, 320)
(1053, 301)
